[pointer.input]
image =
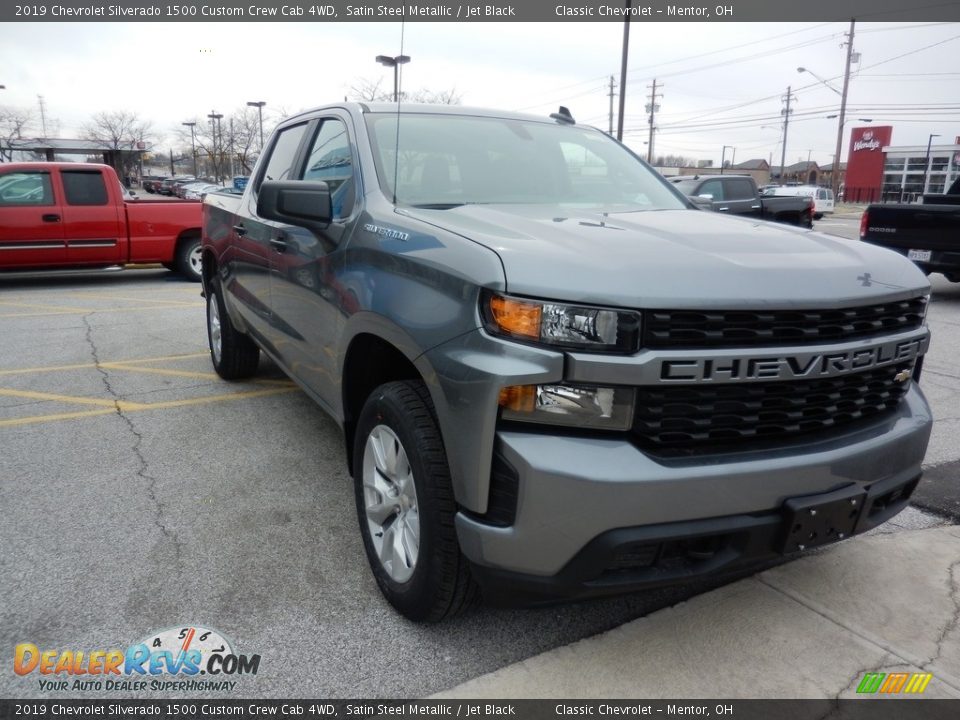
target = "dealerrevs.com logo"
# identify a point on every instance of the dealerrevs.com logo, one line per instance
(172, 659)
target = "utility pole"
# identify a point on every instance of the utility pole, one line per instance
(610, 131)
(623, 68)
(835, 175)
(786, 124)
(43, 114)
(652, 109)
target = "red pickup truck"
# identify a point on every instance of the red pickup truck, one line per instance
(72, 215)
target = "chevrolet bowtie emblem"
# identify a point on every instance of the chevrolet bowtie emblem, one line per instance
(902, 376)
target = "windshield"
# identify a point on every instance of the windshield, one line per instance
(448, 160)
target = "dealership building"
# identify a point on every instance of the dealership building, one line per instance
(878, 171)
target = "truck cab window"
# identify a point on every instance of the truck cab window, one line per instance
(331, 161)
(84, 187)
(26, 188)
(714, 188)
(283, 154)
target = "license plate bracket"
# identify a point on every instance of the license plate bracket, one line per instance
(919, 255)
(814, 520)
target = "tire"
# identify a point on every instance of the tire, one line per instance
(405, 504)
(818, 216)
(190, 258)
(234, 355)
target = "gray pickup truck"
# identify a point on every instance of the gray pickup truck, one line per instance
(555, 377)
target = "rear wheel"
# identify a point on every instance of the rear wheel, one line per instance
(234, 355)
(190, 258)
(405, 505)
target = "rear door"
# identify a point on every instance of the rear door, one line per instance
(740, 197)
(94, 226)
(31, 222)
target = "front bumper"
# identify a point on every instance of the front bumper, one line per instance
(598, 515)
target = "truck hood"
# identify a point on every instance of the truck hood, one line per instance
(675, 258)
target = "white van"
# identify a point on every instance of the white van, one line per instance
(822, 197)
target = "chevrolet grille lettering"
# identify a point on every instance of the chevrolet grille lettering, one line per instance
(735, 369)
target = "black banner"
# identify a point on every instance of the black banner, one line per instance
(872, 709)
(487, 11)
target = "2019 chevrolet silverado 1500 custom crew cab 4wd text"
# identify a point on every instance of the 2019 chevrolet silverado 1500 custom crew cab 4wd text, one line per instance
(555, 377)
(74, 215)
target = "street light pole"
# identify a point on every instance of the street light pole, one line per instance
(395, 63)
(193, 145)
(215, 118)
(926, 166)
(259, 106)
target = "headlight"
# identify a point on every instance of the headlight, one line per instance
(570, 326)
(583, 406)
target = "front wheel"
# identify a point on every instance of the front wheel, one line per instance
(190, 259)
(405, 505)
(234, 355)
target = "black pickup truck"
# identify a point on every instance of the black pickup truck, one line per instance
(928, 233)
(738, 195)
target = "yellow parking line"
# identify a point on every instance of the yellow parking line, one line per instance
(139, 407)
(160, 371)
(53, 418)
(71, 399)
(14, 303)
(99, 310)
(219, 398)
(81, 366)
(131, 299)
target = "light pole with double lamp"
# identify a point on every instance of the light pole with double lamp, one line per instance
(395, 63)
(215, 119)
(193, 145)
(259, 106)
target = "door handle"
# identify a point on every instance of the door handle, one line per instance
(722, 209)
(240, 230)
(754, 207)
(279, 244)
(51, 217)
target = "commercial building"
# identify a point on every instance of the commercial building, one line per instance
(878, 171)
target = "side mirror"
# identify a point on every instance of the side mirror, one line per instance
(302, 203)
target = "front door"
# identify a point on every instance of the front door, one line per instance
(31, 222)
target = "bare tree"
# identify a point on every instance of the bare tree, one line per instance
(14, 122)
(120, 132)
(367, 90)
(231, 144)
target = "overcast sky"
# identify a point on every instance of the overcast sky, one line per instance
(710, 73)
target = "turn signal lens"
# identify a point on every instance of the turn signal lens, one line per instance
(516, 317)
(519, 398)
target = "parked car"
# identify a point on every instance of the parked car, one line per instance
(738, 195)
(168, 186)
(554, 376)
(151, 183)
(198, 191)
(76, 215)
(822, 197)
(928, 234)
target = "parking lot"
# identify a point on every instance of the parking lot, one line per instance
(141, 492)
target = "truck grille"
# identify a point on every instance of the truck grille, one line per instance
(722, 328)
(700, 417)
